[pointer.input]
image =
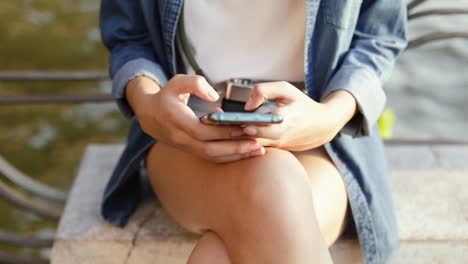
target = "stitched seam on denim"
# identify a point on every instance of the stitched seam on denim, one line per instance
(329, 17)
(312, 7)
(166, 31)
(370, 223)
(364, 223)
(163, 10)
(171, 18)
(366, 227)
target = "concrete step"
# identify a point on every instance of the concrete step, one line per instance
(429, 185)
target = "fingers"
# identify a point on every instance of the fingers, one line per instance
(218, 110)
(272, 131)
(206, 132)
(199, 131)
(269, 132)
(265, 142)
(225, 159)
(220, 151)
(279, 91)
(227, 150)
(267, 107)
(185, 120)
(187, 84)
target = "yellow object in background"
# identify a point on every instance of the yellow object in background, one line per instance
(386, 123)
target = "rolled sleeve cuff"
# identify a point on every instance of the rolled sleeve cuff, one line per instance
(366, 87)
(129, 71)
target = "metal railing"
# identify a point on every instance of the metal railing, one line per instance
(51, 200)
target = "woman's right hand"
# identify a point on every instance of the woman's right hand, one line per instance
(164, 114)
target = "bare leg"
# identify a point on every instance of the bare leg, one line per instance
(261, 208)
(210, 249)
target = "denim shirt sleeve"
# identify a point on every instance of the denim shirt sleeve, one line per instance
(379, 37)
(124, 33)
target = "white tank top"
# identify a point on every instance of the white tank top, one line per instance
(258, 39)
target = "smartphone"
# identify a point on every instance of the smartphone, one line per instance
(239, 118)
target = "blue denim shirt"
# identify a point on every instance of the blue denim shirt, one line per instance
(350, 45)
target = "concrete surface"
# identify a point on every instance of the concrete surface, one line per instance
(428, 184)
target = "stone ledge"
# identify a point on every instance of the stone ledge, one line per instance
(427, 182)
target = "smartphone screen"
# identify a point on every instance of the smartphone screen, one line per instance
(240, 118)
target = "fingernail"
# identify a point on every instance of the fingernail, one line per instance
(248, 105)
(258, 152)
(213, 94)
(253, 147)
(250, 131)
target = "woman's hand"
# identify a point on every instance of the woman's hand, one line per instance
(307, 124)
(164, 114)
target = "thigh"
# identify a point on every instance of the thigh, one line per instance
(328, 190)
(193, 191)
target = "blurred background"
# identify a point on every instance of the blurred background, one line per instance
(47, 141)
(428, 92)
(428, 89)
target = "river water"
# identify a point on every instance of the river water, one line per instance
(428, 92)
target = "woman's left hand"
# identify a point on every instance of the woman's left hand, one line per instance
(306, 124)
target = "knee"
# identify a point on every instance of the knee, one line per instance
(209, 249)
(276, 189)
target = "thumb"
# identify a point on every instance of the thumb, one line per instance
(268, 91)
(193, 84)
(218, 110)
